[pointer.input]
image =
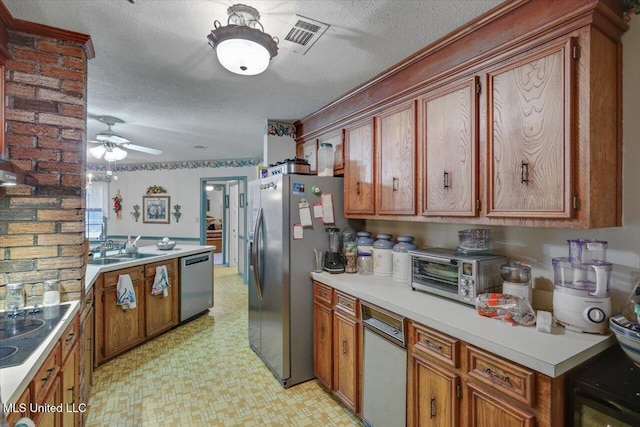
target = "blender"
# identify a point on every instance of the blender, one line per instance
(516, 279)
(581, 299)
(333, 261)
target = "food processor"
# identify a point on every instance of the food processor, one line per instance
(516, 279)
(333, 260)
(581, 299)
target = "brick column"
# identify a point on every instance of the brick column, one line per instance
(42, 227)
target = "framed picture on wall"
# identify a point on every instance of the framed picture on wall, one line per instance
(155, 209)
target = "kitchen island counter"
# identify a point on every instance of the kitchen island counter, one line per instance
(93, 271)
(549, 354)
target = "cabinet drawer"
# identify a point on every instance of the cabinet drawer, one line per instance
(506, 377)
(111, 278)
(322, 293)
(150, 269)
(435, 344)
(347, 304)
(69, 338)
(46, 375)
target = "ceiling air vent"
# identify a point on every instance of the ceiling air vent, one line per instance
(304, 32)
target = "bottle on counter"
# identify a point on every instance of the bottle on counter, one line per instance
(325, 159)
(14, 299)
(401, 258)
(365, 263)
(51, 295)
(383, 255)
(365, 242)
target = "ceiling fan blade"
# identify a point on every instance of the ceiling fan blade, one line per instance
(94, 142)
(117, 139)
(142, 149)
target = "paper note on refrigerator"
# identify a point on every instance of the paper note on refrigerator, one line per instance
(298, 231)
(317, 210)
(305, 213)
(327, 209)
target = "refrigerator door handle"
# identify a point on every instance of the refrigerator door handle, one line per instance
(254, 253)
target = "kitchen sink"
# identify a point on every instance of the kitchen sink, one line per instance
(14, 327)
(134, 256)
(7, 351)
(105, 261)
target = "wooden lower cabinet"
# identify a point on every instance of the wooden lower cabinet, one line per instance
(22, 407)
(44, 418)
(346, 358)
(161, 311)
(337, 349)
(433, 393)
(489, 410)
(69, 389)
(323, 344)
(117, 329)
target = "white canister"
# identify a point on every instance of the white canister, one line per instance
(401, 258)
(382, 253)
(325, 159)
(51, 295)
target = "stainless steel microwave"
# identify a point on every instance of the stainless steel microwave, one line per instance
(460, 277)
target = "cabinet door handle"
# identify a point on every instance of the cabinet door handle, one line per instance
(445, 179)
(524, 172)
(70, 337)
(344, 346)
(49, 372)
(358, 187)
(73, 397)
(394, 185)
(322, 332)
(432, 345)
(433, 407)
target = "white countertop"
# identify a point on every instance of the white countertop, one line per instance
(549, 354)
(15, 379)
(93, 271)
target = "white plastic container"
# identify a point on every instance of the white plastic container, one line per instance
(325, 159)
(51, 295)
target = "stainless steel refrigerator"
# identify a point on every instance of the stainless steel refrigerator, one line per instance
(280, 288)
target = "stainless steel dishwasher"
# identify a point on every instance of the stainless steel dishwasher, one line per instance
(384, 379)
(196, 285)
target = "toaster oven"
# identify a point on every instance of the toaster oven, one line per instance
(460, 277)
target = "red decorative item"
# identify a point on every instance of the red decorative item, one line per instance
(117, 204)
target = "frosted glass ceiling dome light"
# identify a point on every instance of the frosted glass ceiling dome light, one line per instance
(241, 47)
(115, 154)
(98, 151)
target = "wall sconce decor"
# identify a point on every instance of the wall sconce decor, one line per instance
(136, 212)
(177, 214)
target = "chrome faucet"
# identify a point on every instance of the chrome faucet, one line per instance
(104, 245)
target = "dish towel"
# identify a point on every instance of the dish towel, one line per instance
(126, 293)
(161, 282)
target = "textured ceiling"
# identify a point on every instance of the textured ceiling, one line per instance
(154, 69)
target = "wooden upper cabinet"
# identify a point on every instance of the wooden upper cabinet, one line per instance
(396, 159)
(358, 171)
(449, 117)
(530, 133)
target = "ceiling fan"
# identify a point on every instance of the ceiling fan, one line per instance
(111, 144)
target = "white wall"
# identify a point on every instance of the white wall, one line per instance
(278, 148)
(215, 203)
(182, 185)
(537, 246)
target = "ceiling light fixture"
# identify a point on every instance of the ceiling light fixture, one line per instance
(241, 47)
(111, 152)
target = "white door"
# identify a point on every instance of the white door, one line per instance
(233, 224)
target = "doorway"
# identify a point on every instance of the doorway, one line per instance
(223, 202)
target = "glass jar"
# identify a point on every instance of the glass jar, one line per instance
(51, 295)
(14, 299)
(401, 259)
(351, 258)
(364, 242)
(325, 159)
(365, 263)
(382, 255)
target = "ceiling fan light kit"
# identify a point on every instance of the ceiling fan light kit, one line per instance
(110, 143)
(241, 47)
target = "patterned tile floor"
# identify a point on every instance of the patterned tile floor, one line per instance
(204, 374)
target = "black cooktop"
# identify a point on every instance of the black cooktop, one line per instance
(20, 335)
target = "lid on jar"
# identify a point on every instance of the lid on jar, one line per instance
(364, 254)
(326, 145)
(405, 239)
(383, 244)
(363, 234)
(384, 236)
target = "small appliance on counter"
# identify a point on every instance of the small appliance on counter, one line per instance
(516, 279)
(288, 167)
(459, 277)
(581, 299)
(333, 260)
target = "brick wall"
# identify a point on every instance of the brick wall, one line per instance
(42, 227)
